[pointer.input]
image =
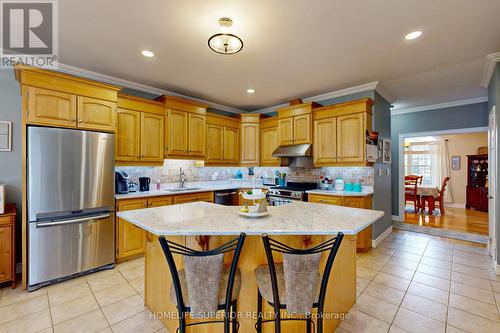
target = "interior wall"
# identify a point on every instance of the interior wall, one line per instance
(463, 145)
(452, 118)
(10, 162)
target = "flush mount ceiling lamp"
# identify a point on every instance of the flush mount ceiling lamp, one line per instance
(225, 43)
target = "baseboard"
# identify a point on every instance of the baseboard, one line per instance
(454, 205)
(381, 237)
(397, 218)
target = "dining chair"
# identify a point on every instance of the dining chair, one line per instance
(411, 190)
(440, 199)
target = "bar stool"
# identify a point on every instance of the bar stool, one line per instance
(272, 280)
(228, 287)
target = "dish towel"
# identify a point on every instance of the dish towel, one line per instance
(301, 277)
(203, 276)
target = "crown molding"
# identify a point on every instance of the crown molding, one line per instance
(330, 95)
(489, 67)
(440, 105)
(76, 71)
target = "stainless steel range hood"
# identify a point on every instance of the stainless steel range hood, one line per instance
(303, 150)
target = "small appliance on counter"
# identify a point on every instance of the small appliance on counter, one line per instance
(339, 184)
(144, 184)
(121, 186)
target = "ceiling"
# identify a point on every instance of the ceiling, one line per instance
(292, 48)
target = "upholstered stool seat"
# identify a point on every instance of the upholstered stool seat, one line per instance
(222, 286)
(263, 278)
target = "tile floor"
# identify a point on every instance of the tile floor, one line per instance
(410, 283)
(419, 283)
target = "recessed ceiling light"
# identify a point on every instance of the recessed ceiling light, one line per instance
(250, 91)
(148, 54)
(413, 35)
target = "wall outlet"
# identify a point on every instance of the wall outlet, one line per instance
(388, 172)
(380, 172)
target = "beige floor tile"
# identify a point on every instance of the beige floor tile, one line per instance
(389, 245)
(471, 323)
(361, 284)
(431, 293)
(47, 330)
(436, 262)
(473, 306)
(417, 323)
(471, 262)
(369, 263)
(392, 281)
(432, 281)
(165, 330)
(72, 309)
(123, 309)
(398, 271)
(31, 323)
(24, 308)
(365, 273)
(106, 281)
(133, 273)
(400, 262)
(477, 272)
(10, 296)
(138, 284)
(435, 271)
(68, 293)
(471, 249)
(484, 258)
(395, 329)
(407, 256)
(413, 250)
(360, 322)
(141, 322)
(438, 254)
(375, 256)
(130, 264)
(90, 322)
(384, 293)
(383, 250)
(375, 307)
(67, 283)
(496, 286)
(473, 292)
(114, 294)
(471, 280)
(101, 274)
(451, 329)
(425, 307)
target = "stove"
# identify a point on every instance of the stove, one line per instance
(293, 191)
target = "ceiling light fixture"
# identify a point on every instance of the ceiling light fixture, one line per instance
(413, 35)
(148, 54)
(225, 43)
(250, 91)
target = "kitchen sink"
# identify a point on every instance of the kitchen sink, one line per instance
(182, 189)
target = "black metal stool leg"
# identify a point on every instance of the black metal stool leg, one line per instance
(234, 315)
(309, 324)
(259, 312)
(182, 322)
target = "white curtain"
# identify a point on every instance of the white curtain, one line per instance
(440, 166)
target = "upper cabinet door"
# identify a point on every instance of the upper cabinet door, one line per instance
(177, 132)
(302, 129)
(325, 141)
(152, 137)
(269, 142)
(215, 143)
(96, 114)
(351, 137)
(197, 135)
(128, 135)
(250, 145)
(47, 107)
(285, 131)
(231, 145)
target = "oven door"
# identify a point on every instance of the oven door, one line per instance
(276, 200)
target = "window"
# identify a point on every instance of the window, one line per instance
(418, 159)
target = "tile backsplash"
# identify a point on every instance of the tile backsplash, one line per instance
(169, 172)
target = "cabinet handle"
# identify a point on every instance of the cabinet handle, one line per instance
(80, 121)
(73, 119)
(146, 204)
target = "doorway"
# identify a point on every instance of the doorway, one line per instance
(492, 151)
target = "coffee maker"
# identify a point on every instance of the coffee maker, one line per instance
(144, 183)
(121, 186)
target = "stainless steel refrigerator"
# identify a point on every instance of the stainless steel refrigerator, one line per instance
(70, 203)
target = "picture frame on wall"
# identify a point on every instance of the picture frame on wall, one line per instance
(386, 151)
(5, 136)
(455, 162)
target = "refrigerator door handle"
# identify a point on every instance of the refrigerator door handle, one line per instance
(72, 221)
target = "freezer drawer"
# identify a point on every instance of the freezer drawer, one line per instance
(65, 247)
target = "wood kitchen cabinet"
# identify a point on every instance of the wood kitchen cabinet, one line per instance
(340, 133)
(295, 124)
(364, 237)
(60, 100)
(250, 140)
(268, 142)
(194, 197)
(185, 128)
(223, 140)
(139, 131)
(7, 245)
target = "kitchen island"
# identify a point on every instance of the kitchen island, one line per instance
(202, 225)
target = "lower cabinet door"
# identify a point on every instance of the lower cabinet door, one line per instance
(131, 240)
(6, 268)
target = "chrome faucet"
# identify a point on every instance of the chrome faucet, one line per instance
(182, 178)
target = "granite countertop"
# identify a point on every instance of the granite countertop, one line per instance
(366, 191)
(198, 187)
(297, 218)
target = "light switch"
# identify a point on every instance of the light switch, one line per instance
(380, 172)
